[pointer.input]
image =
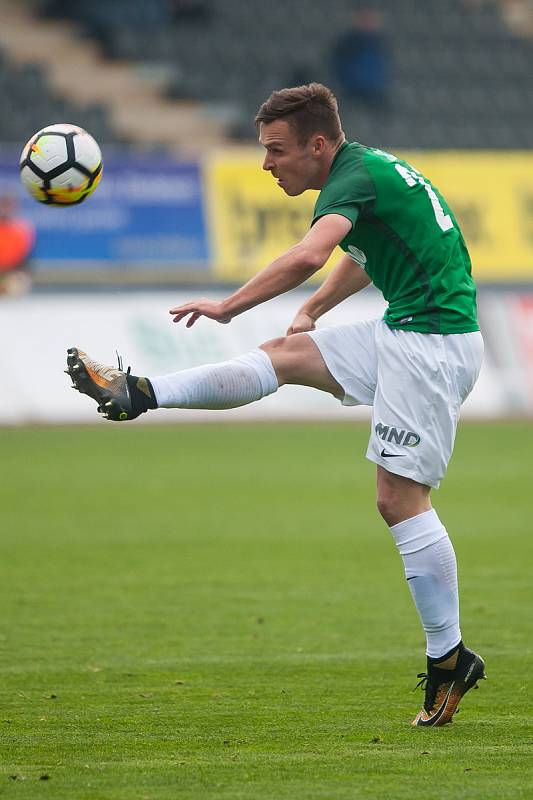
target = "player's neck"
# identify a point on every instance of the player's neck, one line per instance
(329, 158)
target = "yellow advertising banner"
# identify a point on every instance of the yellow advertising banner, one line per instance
(252, 221)
(491, 194)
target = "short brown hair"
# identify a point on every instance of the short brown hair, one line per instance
(309, 109)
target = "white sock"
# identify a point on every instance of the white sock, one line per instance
(216, 386)
(431, 571)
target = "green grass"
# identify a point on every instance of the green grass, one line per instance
(219, 612)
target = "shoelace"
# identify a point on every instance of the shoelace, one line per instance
(430, 689)
(120, 363)
(423, 682)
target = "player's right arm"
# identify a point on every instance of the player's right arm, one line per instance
(284, 273)
(346, 278)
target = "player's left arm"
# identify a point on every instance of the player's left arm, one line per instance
(345, 279)
(286, 272)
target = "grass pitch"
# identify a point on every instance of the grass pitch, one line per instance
(219, 612)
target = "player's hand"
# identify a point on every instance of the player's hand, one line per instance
(213, 309)
(301, 324)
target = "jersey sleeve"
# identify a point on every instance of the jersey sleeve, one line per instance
(345, 194)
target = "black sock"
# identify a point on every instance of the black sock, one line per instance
(142, 394)
(433, 662)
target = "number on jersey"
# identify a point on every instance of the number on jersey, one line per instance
(412, 177)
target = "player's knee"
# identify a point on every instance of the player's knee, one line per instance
(275, 345)
(387, 504)
(400, 498)
(391, 497)
(278, 351)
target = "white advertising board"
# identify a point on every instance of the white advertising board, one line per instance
(36, 331)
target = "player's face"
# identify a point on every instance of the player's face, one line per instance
(295, 166)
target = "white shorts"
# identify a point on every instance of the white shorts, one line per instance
(415, 383)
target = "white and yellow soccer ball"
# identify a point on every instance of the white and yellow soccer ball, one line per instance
(61, 165)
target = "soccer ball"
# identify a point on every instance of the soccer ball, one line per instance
(61, 165)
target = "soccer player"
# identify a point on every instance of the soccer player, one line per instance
(414, 367)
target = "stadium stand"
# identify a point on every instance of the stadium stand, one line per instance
(461, 71)
(451, 60)
(117, 100)
(27, 99)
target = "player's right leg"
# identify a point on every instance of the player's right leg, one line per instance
(122, 396)
(116, 392)
(228, 384)
(297, 360)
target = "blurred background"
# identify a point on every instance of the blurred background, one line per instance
(169, 88)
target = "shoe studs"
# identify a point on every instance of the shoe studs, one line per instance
(108, 406)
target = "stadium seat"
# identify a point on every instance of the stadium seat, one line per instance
(446, 58)
(28, 104)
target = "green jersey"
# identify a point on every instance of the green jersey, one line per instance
(406, 238)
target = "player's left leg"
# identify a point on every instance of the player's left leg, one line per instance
(228, 384)
(431, 572)
(428, 558)
(422, 381)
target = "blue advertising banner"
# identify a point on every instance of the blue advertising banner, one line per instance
(147, 213)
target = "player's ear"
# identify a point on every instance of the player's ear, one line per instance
(319, 144)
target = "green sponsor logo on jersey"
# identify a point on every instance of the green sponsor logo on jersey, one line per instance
(358, 256)
(405, 237)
